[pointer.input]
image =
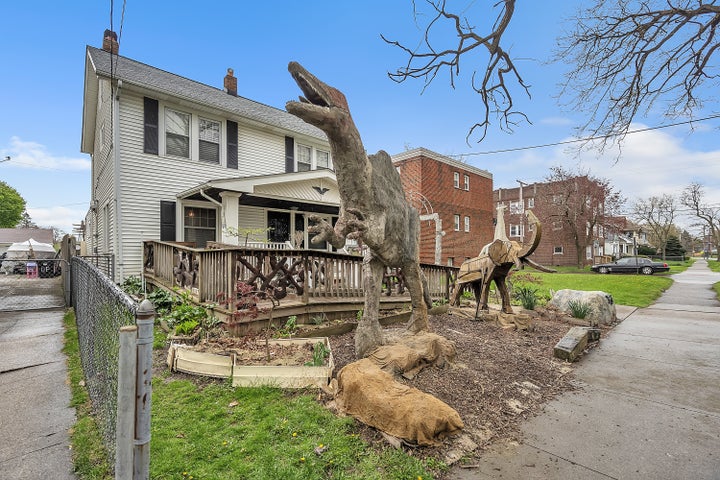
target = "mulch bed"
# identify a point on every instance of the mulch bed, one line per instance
(500, 378)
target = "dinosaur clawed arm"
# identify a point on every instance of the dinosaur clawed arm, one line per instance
(324, 232)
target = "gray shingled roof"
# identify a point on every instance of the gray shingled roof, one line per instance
(140, 74)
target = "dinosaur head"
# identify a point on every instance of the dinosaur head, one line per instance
(321, 104)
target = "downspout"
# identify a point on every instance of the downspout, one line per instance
(119, 275)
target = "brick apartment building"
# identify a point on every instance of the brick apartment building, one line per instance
(459, 195)
(557, 246)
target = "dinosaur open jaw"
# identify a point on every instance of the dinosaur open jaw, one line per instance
(310, 86)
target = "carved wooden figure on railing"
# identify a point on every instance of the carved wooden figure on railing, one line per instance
(373, 207)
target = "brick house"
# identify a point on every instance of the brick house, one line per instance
(558, 245)
(452, 197)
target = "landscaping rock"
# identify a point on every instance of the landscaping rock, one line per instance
(574, 342)
(602, 304)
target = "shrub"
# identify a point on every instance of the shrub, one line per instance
(527, 296)
(162, 300)
(132, 285)
(579, 309)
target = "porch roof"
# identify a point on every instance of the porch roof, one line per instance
(314, 190)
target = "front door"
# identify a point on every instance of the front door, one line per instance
(279, 226)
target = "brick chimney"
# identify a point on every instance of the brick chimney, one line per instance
(230, 84)
(110, 43)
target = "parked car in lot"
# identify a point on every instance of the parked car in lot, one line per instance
(631, 265)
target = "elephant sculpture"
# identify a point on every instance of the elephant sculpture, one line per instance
(494, 264)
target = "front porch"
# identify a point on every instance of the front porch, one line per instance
(304, 283)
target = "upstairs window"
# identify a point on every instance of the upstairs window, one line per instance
(209, 142)
(456, 179)
(466, 178)
(531, 202)
(304, 158)
(456, 222)
(515, 207)
(467, 224)
(515, 230)
(177, 133)
(323, 159)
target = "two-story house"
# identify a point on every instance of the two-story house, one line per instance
(177, 160)
(455, 204)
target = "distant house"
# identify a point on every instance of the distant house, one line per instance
(8, 236)
(623, 238)
(176, 160)
(557, 245)
(455, 203)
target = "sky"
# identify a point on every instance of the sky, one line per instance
(41, 90)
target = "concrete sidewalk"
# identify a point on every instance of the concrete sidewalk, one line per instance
(34, 397)
(649, 407)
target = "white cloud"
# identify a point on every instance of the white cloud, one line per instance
(650, 163)
(58, 217)
(35, 155)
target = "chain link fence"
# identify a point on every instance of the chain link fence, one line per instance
(101, 308)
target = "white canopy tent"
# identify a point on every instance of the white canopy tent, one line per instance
(30, 249)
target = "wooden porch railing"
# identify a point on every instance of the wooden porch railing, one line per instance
(208, 274)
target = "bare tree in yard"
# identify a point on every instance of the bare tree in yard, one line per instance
(658, 214)
(693, 197)
(581, 203)
(625, 57)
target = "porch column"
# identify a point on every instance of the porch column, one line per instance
(229, 216)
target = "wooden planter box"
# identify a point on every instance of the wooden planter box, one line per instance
(185, 360)
(181, 359)
(285, 376)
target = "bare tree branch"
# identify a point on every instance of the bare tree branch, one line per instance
(693, 197)
(628, 56)
(494, 83)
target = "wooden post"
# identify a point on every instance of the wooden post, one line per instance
(125, 422)
(143, 391)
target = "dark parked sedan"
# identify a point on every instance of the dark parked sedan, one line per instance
(631, 265)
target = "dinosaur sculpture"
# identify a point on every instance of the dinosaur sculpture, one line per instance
(494, 264)
(373, 207)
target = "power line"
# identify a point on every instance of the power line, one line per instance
(586, 139)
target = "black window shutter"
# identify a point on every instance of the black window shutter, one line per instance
(232, 144)
(151, 126)
(167, 221)
(289, 154)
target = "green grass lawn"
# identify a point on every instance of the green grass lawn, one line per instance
(626, 289)
(219, 432)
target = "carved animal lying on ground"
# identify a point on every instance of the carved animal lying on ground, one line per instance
(373, 206)
(494, 264)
